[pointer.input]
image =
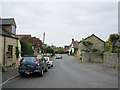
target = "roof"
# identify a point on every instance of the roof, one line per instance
(23, 36)
(91, 36)
(6, 21)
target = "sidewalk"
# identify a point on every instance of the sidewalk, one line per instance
(9, 74)
(99, 67)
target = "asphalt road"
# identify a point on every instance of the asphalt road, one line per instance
(66, 73)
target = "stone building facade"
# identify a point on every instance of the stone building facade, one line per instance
(98, 44)
(9, 43)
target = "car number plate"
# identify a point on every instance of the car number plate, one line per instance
(28, 72)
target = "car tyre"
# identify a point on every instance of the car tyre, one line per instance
(22, 74)
(42, 73)
(46, 69)
(52, 65)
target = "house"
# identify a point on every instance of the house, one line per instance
(35, 42)
(66, 48)
(73, 46)
(98, 44)
(10, 43)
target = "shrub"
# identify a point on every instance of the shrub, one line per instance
(26, 48)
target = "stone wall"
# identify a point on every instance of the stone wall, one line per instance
(111, 60)
(94, 57)
(12, 60)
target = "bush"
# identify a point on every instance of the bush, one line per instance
(26, 48)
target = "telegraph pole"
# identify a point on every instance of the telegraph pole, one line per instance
(43, 42)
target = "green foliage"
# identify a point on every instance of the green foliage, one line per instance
(100, 53)
(94, 50)
(71, 52)
(49, 49)
(61, 50)
(87, 43)
(56, 52)
(17, 52)
(26, 48)
(75, 50)
(114, 37)
(66, 52)
(4, 68)
(111, 44)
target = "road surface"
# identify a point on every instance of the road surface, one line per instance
(66, 73)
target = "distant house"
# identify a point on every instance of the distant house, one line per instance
(9, 42)
(98, 44)
(66, 48)
(73, 46)
(35, 42)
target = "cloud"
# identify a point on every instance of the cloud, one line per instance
(64, 20)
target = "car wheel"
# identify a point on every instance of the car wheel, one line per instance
(22, 74)
(46, 69)
(49, 67)
(52, 65)
(42, 73)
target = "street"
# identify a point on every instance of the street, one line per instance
(66, 73)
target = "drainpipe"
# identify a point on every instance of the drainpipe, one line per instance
(4, 51)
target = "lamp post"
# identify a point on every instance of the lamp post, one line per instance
(43, 42)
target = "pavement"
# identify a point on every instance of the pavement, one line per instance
(68, 73)
(7, 76)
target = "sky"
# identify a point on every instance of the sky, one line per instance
(62, 21)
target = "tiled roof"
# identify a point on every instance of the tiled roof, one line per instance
(6, 21)
(94, 36)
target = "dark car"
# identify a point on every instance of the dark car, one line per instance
(58, 56)
(32, 64)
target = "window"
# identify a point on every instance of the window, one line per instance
(10, 50)
(28, 59)
(13, 29)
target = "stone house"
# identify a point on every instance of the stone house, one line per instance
(97, 44)
(73, 46)
(9, 42)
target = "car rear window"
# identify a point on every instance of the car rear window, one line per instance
(29, 59)
(46, 59)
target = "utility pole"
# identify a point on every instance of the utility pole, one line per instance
(43, 42)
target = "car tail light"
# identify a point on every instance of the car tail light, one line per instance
(38, 62)
(20, 61)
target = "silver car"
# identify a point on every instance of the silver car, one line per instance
(58, 56)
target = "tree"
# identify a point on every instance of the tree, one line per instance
(49, 49)
(60, 50)
(111, 44)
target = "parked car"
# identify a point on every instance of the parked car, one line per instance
(49, 62)
(58, 56)
(32, 64)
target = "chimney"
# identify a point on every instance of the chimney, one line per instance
(72, 40)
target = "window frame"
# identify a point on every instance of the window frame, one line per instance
(10, 50)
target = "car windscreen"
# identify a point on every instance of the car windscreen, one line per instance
(29, 59)
(58, 55)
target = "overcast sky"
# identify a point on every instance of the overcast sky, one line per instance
(63, 21)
